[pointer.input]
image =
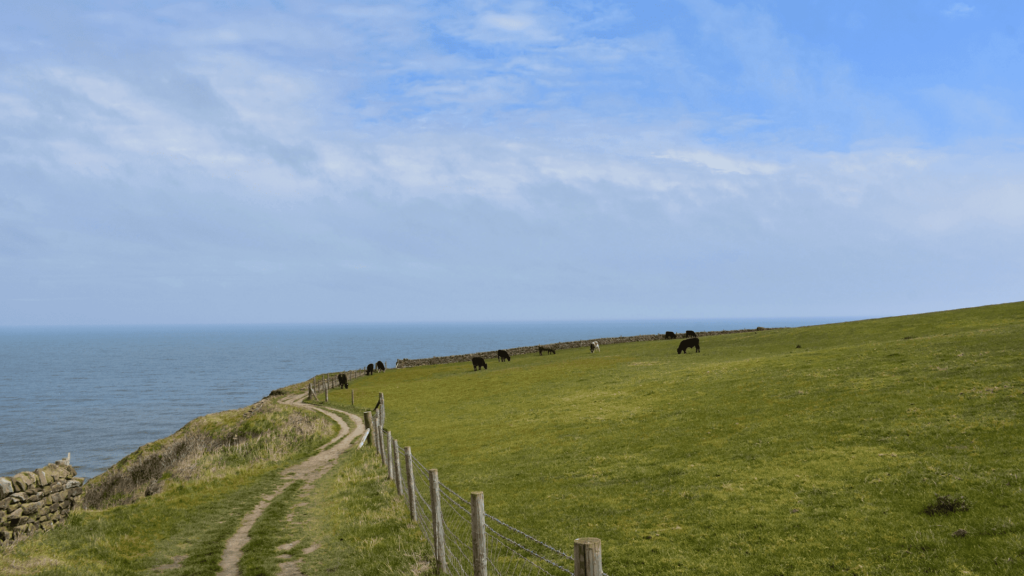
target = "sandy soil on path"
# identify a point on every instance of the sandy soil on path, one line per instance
(309, 470)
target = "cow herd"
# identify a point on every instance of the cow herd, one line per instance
(690, 341)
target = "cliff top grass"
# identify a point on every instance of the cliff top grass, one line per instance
(174, 502)
(889, 446)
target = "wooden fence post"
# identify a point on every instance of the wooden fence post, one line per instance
(380, 400)
(353, 398)
(410, 482)
(438, 521)
(586, 557)
(398, 466)
(389, 461)
(327, 388)
(479, 528)
(369, 425)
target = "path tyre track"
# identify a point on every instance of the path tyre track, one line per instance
(309, 470)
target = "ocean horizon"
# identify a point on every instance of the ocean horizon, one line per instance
(102, 392)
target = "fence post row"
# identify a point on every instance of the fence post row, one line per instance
(586, 557)
(398, 466)
(586, 554)
(410, 481)
(438, 521)
(479, 528)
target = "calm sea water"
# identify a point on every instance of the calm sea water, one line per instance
(100, 393)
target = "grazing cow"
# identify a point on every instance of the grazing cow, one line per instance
(369, 369)
(342, 381)
(688, 343)
(595, 347)
(691, 334)
(380, 366)
(479, 363)
(543, 349)
(503, 355)
(670, 335)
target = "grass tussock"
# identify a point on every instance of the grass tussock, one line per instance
(210, 447)
(948, 504)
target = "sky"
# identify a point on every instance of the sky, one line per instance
(297, 162)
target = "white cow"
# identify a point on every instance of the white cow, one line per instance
(595, 347)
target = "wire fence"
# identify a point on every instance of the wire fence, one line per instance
(467, 541)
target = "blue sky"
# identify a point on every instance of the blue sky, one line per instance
(254, 162)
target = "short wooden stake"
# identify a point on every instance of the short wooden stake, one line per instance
(410, 482)
(586, 557)
(398, 467)
(388, 460)
(368, 424)
(479, 527)
(353, 398)
(380, 400)
(438, 522)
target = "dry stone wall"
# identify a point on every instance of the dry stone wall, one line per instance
(406, 363)
(38, 500)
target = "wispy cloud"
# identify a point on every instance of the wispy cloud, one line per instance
(958, 9)
(282, 143)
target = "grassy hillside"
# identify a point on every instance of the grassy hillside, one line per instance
(755, 456)
(201, 481)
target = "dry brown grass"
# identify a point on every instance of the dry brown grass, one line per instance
(210, 447)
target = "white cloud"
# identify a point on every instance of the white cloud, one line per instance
(720, 162)
(958, 9)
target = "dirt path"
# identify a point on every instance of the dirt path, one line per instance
(310, 470)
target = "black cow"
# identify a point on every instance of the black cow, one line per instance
(670, 335)
(691, 334)
(479, 363)
(342, 381)
(380, 366)
(503, 355)
(543, 349)
(369, 369)
(688, 343)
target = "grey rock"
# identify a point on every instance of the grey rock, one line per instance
(14, 515)
(24, 480)
(32, 507)
(6, 487)
(43, 476)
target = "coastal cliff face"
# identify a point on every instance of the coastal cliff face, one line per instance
(38, 500)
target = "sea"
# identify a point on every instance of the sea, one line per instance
(99, 393)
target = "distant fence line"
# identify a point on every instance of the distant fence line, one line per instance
(325, 382)
(465, 540)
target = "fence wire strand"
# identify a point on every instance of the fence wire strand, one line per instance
(510, 551)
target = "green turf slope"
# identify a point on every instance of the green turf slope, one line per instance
(752, 457)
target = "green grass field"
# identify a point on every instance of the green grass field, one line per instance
(752, 457)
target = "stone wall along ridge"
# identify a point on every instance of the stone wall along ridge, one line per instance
(38, 500)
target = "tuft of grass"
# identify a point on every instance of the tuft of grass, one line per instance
(948, 504)
(694, 464)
